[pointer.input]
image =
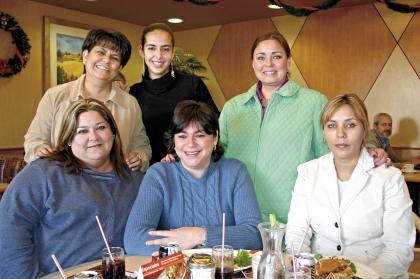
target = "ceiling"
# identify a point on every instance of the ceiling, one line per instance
(144, 12)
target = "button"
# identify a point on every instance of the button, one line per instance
(336, 224)
(339, 247)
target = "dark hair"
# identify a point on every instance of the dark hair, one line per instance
(68, 130)
(187, 112)
(114, 40)
(271, 36)
(157, 26)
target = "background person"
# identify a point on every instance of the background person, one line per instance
(352, 208)
(121, 82)
(50, 206)
(379, 135)
(104, 55)
(184, 201)
(162, 88)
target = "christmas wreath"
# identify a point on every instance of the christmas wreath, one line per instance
(12, 66)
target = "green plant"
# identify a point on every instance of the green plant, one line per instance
(187, 63)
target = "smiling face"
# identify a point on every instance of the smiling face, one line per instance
(194, 148)
(93, 141)
(270, 63)
(344, 134)
(102, 63)
(157, 52)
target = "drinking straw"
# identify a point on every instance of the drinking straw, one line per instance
(223, 242)
(106, 242)
(58, 266)
(293, 261)
(303, 239)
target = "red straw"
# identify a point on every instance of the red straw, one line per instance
(106, 242)
(58, 266)
(223, 241)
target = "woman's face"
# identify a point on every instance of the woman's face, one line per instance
(194, 148)
(270, 63)
(102, 63)
(93, 141)
(157, 52)
(344, 134)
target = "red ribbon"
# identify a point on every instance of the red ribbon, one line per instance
(19, 56)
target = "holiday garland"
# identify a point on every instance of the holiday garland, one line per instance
(201, 2)
(12, 66)
(305, 11)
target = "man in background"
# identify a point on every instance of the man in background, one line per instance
(379, 135)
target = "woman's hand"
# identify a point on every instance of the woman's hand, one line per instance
(133, 160)
(44, 151)
(169, 158)
(186, 237)
(380, 157)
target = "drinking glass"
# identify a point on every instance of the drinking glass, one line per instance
(297, 275)
(223, 261)
(116, 269)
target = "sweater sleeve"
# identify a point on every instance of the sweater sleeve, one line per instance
(145, 215)
(244, 233)
(398, 231)
(21, 210)
(39, 132)
(319, 146)
(203, 94)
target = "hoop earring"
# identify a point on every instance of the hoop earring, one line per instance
(172, 71)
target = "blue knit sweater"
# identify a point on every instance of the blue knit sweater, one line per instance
(170, 197)
(48, 211)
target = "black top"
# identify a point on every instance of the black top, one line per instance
(158, 98)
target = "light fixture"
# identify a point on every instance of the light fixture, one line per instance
(90, 0)
(274, 6)
(175, 20)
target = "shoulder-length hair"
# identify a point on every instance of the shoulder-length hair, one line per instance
(356, 104)
(187, 112)
(63, 151)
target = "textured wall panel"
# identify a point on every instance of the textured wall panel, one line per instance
(199, 42)
(396, 21)
(396, 91)
(230, 57)
(343, 50)
(410, 41)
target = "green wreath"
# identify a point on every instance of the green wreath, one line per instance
(12, 66)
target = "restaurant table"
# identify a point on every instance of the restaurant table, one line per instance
(132, 264)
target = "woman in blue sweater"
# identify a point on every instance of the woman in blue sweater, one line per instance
(184, 201)
(50, 206)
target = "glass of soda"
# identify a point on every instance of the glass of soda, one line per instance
(113, 269)
(223, 261)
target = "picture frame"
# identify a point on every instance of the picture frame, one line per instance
(62, 49)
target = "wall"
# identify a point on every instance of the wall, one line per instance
(21, 93)
(368, 50)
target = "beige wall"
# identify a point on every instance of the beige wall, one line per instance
(21, 93)
(367, 50)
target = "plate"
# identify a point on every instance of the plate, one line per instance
(189, 252)
(406, 171)
(365, 272)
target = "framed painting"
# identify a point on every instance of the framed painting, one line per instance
(62, 45)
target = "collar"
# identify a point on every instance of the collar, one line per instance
(288, 89)
(159, 85)
(116, 95)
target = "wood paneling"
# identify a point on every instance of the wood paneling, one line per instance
(343, 50)
(230, 58)
(410, 42)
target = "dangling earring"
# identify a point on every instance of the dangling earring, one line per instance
(143, 68)
(172, 71)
